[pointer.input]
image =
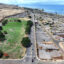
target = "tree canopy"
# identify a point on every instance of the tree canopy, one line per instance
(2, 36)
(5, 22)
(1, 53)
(26, 42)
(28, 27)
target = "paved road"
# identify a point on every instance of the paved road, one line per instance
(31, 52)
(36, 61)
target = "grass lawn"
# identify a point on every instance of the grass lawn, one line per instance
(12, 45)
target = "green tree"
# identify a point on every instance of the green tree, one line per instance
(19, 20)
(30, 23)
(5, 32)
(28, 30)
(26, 42)
(1, 53)
(5, 22)
(29, 16)
(1, 28)
(28, 27)
(2, 36)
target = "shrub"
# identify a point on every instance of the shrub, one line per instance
(30, 23)
(2, 36)
(1, 53)
(28, 30)
(5, 22)
(5, 55)
(26, 42)
(28, 27)
(29, 16)
(5, 32)
(1, 28)
(19, 20)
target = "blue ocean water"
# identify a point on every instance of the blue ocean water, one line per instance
(47, 8)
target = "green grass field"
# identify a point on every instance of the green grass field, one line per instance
(12, 45)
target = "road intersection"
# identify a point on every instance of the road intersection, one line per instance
(31, 52)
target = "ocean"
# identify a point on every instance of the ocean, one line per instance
(59, 9)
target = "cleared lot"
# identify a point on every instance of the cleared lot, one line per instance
(46, 48)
